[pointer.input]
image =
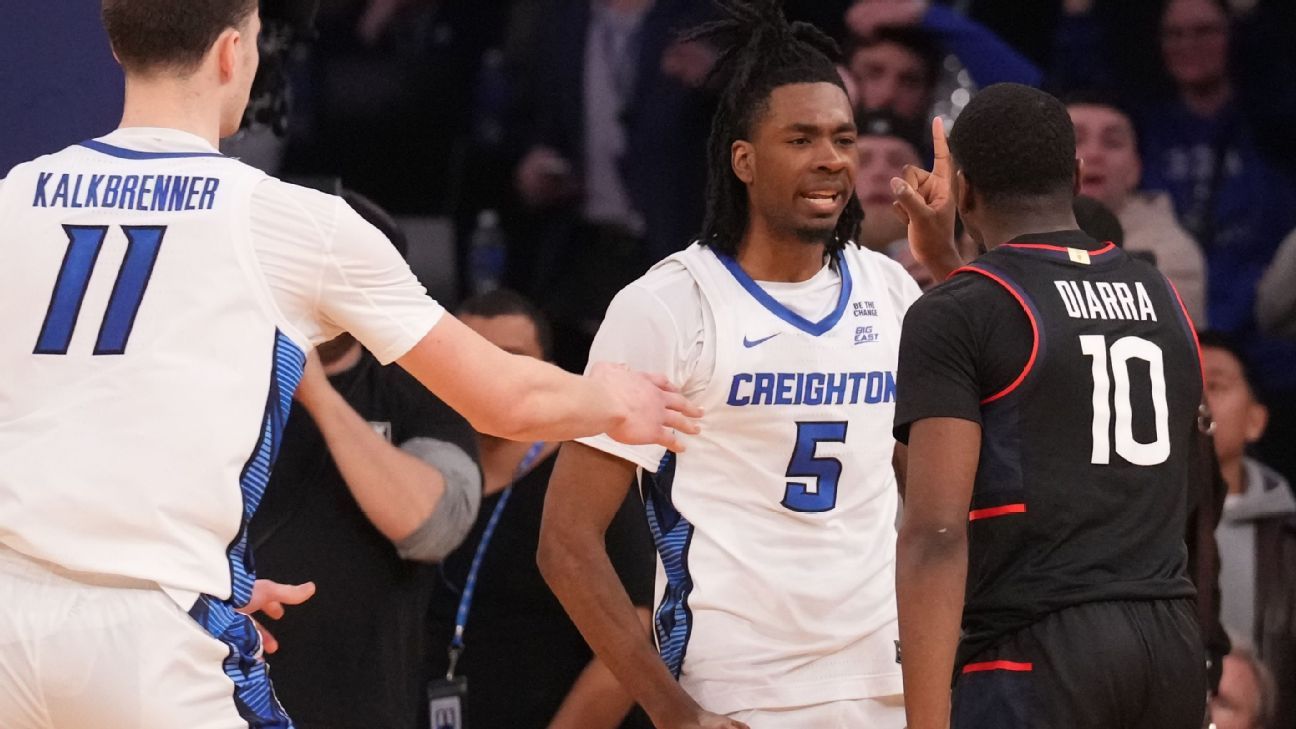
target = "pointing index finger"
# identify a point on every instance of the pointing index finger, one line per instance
(941, 167)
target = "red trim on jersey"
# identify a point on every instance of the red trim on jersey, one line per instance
(1061, 249)
(998, 666)
(994, 511)
(1201, 366)
(1030, 363)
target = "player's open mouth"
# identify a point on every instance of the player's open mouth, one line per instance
(822, 200)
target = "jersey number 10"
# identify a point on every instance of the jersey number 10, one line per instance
(1120, 353)
(143, 243)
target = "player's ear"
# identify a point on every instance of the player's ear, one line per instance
(742, 156)
(1079, 175)
(226, 50)
(963, 192)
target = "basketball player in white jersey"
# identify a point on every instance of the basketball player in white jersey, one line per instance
(776, 530)
(157, 301)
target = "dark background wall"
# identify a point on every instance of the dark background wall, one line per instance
(59, 83)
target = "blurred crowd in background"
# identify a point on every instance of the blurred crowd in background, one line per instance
(556, 148)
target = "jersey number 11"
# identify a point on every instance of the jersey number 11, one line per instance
(143, 243)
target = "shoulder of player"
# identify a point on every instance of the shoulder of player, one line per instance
(667, 287)
(966, 297)
(272, 188)
(301, 210)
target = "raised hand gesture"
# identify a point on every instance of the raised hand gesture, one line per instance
(925, 202)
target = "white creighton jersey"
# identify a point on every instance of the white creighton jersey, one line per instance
(153, 339)
(776, 528)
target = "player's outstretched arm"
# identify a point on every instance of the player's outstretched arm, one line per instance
(585, 492)
(931, 562)
(522, 398)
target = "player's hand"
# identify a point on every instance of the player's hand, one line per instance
(925, 202)
(314, 383)
(270, 597)
(655, 411)
(866, 16)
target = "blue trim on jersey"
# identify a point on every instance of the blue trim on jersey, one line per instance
(791, 317)
(673, 535)
(254, 696)
(286, 371)
(123, 153)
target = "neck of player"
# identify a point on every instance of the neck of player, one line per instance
(767, 255)
(170, 103)
(1000, 226)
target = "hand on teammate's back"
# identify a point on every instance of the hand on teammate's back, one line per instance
(925, 202)
(655, 410)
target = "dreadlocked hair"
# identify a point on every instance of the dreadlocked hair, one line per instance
(758, 51)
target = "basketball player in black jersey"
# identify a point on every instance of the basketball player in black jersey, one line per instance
(1048, 392)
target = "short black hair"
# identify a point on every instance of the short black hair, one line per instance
(915, 40)
(759, 51)
(1015, 143)
(174, 34)
(1211, 339)
(506, 302)
(1098, 221)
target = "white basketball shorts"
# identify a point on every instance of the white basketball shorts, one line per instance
(80, 651)
(882, 712)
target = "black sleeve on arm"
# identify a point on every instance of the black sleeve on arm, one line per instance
(937, 376)
(962, 342)
(630, 548)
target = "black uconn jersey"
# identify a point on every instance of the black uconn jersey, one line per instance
(1080, 494)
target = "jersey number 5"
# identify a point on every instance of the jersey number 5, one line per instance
(805, 464)
(84, 243)
(1121, 352)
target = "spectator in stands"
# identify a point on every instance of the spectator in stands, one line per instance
(376, 480)
(614, 170)
(1257, 534)
(527, 666)
(1276, 298)
(1246, 695)
(1201, 147)
(886, 143)
(896, 70)
(1108, 147)
(1198, 147)
(899, 46)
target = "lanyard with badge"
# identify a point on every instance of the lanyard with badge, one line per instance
(447, 697)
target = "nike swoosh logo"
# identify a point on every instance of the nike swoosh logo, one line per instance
(749, 343)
